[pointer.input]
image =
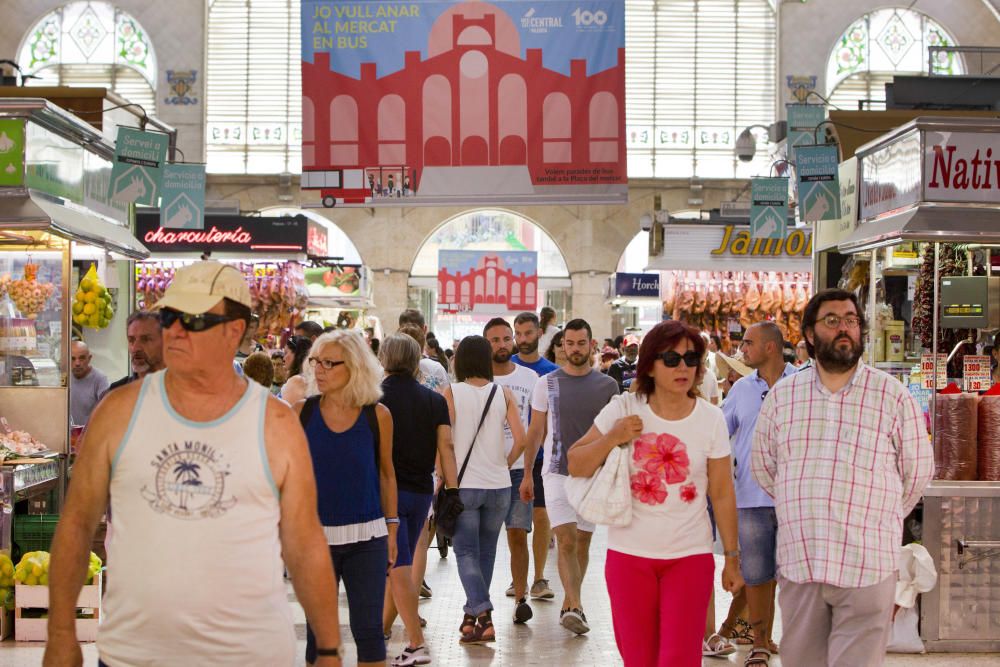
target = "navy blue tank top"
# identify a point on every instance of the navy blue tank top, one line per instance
(347, 483)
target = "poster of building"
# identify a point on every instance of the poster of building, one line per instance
(487, 281)
(440, 103)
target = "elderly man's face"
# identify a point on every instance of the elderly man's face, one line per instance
(195, 352)
(80, 360)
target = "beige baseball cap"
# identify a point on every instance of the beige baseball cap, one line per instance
(198, 287)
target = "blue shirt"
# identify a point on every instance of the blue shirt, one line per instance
(741, 408)
(543, 366)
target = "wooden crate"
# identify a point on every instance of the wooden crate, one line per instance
(27, 629)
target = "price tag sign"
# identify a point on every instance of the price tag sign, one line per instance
(927, 370)
(976, 373)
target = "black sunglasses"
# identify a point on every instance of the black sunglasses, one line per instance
(673, 359)
(191, 322)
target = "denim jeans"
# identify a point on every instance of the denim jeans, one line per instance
(475, 543)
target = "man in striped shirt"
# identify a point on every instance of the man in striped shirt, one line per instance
(843, 450)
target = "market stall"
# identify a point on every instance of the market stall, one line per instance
(341, 294)
(272, 252)
(929, 212)
(55, 210)
(715, 276)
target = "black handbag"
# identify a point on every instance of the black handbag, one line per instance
(447, 505)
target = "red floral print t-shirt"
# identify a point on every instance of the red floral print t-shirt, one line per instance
(668, 477)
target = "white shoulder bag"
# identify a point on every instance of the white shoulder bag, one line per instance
(604, 498)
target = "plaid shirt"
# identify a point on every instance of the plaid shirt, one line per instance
(844, 470)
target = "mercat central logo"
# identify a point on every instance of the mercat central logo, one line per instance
(539, 23)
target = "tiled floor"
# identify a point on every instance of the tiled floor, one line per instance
(541, 642)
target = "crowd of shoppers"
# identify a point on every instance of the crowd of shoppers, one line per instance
(805, 471)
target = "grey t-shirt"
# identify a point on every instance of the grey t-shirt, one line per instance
(572, 402)
(84, 395)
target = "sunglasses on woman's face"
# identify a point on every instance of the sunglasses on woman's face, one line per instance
(673, 359)
(189, 322)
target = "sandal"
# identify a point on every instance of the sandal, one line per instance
(717, 646)
(741, 632)
(758, 657)
(483, 624)
(468, 621)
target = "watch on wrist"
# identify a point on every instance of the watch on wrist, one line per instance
(328, 652)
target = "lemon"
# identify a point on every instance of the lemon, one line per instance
(89, 309)
(101, 290)
(102, 322)
(92, 321)
(7, 568)
(86, 284)
(44, 579)
(100, 303)
(89, 297)
(108, 313)
(77, 308)
(80, 319)
(31, 580)
(80, 294)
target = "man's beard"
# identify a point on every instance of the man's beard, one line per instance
(584, 359)
(528, 348)
(140, 363)
(501, 356)
(837, 360)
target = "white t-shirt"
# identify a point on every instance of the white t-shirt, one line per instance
(669, 478)
(521, 383)
(433, 375)
(710, 387)
(545, 338)
(487, 467)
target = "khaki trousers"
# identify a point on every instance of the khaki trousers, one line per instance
(829, 626)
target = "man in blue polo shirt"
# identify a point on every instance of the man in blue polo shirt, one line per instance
(762, 351)
(527, 331)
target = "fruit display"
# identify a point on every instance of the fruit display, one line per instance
(17, 443)
(33, 570)
(92, 303)
(277, 291)
(29, 295)
(6, 581)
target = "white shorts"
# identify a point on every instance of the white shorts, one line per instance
(557, 505)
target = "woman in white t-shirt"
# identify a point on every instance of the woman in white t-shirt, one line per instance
(659, 567)
(483, 484)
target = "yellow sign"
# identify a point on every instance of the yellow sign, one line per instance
(798, 243)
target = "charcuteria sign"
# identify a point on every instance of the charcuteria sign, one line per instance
(962, 166)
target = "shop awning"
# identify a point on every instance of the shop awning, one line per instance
(40, 212)
(927, 222)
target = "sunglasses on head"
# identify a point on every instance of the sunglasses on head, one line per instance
(673, 359)
(191, 322)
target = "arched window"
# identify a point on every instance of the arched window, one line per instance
(92, 44)
(878, 46)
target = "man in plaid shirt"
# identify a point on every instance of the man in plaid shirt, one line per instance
(843, 450)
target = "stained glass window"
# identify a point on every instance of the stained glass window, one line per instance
(92, 43)
(877, 46)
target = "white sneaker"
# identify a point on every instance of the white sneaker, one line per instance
(412, 656)
(717, 646)
(574, 621)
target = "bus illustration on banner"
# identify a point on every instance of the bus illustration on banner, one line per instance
(357, 186)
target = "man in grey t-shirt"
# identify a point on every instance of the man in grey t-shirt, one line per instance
(86, 386)
(565, 403)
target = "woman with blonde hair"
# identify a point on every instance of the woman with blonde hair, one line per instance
(350, 441)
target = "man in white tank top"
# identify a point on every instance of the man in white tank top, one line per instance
(210, 487)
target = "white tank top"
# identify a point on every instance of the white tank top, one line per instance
(488, 464)
(194, 559)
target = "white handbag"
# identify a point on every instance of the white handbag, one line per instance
(606, 497)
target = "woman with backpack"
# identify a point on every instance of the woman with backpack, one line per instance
(350, 442)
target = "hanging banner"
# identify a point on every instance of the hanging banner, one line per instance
(183, 204)
(802, 122)
(487, 281)
(137, 175)
(440, 103)
(768, 208)
(640, 285)
(818, 168)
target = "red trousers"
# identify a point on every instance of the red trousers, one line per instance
(658, 607)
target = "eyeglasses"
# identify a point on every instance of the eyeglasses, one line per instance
(834, 321)
(194, 323)
(763, 394)
(325, 363)
(673, 359)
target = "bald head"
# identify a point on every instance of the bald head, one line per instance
(79, 359)
(762, 345)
